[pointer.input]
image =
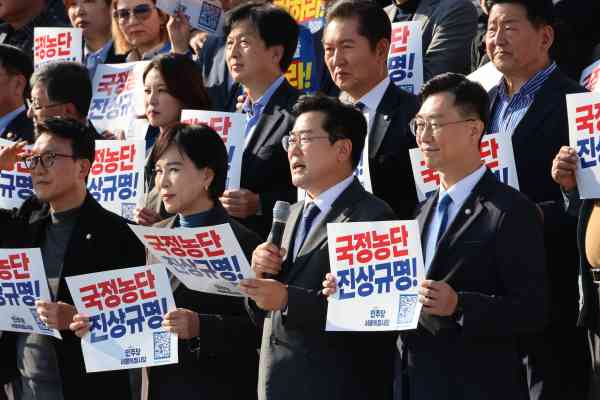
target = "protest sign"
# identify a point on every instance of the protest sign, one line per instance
(487, 76)
(231, 128)
(126, 309)
(201, 14)
(405, 60)
(496, 153)
(207, 259)
(57, 44)
(22, 282)
(310, 13)
(590, 77)
(583, 112)
(15, 183)
(118, 96)
(116, 178)
(378, 267)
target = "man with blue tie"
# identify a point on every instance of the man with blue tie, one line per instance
(261, 41)
(298, 359)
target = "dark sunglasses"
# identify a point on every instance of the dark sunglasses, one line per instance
(140, 12)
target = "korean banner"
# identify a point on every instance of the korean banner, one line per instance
(405, 61)
(201, 14)
(126, 309)
(583, 112)
(309, 13)
(207, 259)
(301, 73)
(118, 96)
(15, 183)
(57, 44)
(590, 77)
(378, 267)
(487, 76)
(496, 152)
(230, 126)
(116, 179)
(22, 282)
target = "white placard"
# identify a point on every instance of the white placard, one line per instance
(231, 128)
(405, 60)
(496, 152)
(57, 44)
(15, 183)
(378, 268)
(126, 309)
(590, 77)
(201, 14)
(583, 112)
(487, 76)
(116, 179)
(22, 282)
(207, 259)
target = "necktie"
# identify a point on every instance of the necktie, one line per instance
(442, 207)
(308, 216)
(251, 122)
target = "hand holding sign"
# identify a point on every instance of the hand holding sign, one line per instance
(185, 323)
(564, 167)
(240, 203)
(268, 294)
(438, 298)
(55, 315)
(80, 325)
(180, 31)
(10, 154)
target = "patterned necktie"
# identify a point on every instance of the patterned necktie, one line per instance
(442, 207)
(308, 217)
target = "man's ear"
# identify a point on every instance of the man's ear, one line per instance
(277, 53)
(71, 111)
(84, 168)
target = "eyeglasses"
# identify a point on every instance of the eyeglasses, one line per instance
(419, 125)
(35, 105)
(141, 12)
(47, 160)
(292, 140)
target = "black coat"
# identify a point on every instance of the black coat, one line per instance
(20, 128)
(100, 241)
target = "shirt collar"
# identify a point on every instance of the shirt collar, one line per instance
(6, 119)
(326, 198)
(373, 97)
(253, 108)
(463, 188)
(531, 86)
(100, 53)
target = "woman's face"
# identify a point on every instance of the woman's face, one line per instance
(162, 109)
(183, 188)
(93, 16)
(139, 22)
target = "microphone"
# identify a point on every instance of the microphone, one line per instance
(281, 212)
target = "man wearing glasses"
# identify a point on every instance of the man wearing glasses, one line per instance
(76, 236)
(298, 359)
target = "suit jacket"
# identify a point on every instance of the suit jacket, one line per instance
(265, 166)
(298, 359)
(389, 142)
(113, 58)
(228, 340)
(20, 128)
(492, 255)
(449, 27)
(100, 241)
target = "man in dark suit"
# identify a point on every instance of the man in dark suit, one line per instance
(448, 26)
(76, 236)
(261, 41)
(15, 70)
(356, 41)
(529, 105)
(298, 359)
(484, 260)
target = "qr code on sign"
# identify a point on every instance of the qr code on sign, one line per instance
(406, 310)
(210, 15)
(127, 210)
(162, 345)
(41, 325)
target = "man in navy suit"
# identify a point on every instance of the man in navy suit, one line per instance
(15, 70)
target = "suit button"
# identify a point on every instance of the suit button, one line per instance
(10, 135)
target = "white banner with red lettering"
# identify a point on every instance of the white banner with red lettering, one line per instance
(126, 309)
(118, 98)
(583, 112)
(590, 77)
(378, 268)
(207, 259)
(57, 44)
(22, 282)
(230, 126)
(405, 60)
(496, 153)
(15, 183)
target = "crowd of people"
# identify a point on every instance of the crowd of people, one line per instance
(511, 306)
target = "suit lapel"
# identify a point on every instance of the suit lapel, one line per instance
(424, 216)
(381, 121)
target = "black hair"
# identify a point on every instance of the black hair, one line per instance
(342, 121)
(373, 23)
(274, 25)
(66, 82)
(469, 97)
(16, 62)
(539, 12)
(79, 134)
(203, 146)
